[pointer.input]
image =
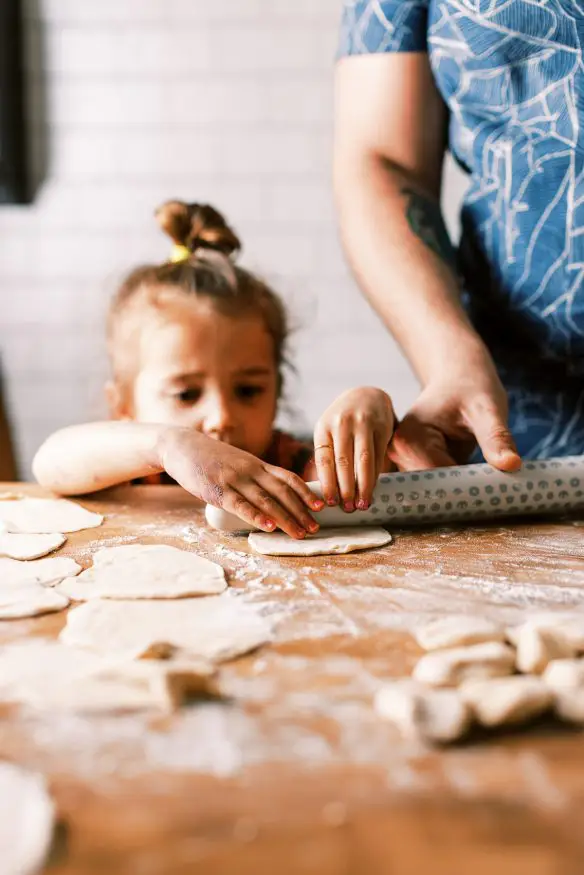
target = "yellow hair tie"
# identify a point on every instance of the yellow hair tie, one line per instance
(179, 253)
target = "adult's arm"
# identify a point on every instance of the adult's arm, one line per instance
(390, 138)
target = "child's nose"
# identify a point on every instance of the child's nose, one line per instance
(219, 421)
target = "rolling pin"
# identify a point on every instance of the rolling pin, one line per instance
(458, 494)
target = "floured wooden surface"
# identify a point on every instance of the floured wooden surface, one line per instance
(296, 769)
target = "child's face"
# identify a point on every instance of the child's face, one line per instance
(204, 370)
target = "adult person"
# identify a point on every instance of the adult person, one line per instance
(494, 331)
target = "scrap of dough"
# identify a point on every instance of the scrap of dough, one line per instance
(448, 668)
(502, 701)
(457, 631)
(49, 675)
(46, 515)
(29, 600)
(146, 571)
(45, 571)
(564, 674)
(214, 628)
(27, 817)
(536, 647)
(571, 626)
(419, 712)
(324, 543)
(569, 705)
(17, 546)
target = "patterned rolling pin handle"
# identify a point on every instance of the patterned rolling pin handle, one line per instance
(461, 494)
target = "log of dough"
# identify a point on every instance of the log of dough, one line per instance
(27, 820)
(570, 625)
(569, 705)
(457, 631)
(214, 628)
(536, 647)
(324, 543)
(448, 668)
(46, 516)
(564, 674)
(145, 571)
(418, 712)
(16, 546)
(503, 701)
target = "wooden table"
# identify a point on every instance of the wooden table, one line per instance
(294, 773)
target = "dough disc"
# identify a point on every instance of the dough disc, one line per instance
(22, 546)
(325, 542)
(46, 515)
(142, 571)
(212, 628)
(27, 818)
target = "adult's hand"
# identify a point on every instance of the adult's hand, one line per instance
(390, 138)
(464, 405)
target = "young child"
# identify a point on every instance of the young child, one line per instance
(197, 350)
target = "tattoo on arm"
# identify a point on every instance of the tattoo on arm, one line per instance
(425, 219)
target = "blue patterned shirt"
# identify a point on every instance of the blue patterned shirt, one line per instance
(512, 75)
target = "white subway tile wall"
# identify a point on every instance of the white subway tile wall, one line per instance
(137, 101)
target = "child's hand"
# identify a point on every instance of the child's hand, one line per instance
(350, 446)
(261, 494)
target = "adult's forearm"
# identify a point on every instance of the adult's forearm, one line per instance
(399, 250)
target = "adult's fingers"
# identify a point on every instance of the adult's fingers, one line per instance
(489, 425)
(417, 446)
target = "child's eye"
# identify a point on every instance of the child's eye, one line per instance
(247, 393)
(188, 396)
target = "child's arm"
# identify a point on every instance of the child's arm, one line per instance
(350, 446)
(86, 458)
(93, 456)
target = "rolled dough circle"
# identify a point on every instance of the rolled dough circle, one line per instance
(27, 818)
(29, 600)
(213, 628)
(46, 516)
(325, 542)
(142, 571)
(21, 546)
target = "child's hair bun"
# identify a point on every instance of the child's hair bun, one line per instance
(197, 226)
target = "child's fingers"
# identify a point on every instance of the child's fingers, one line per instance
(237, 504)
(301, 488)
(289, 500)
(367, 463)
(324, 459)
(272, 509)
(345, 464)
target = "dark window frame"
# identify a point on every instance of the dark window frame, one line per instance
(13, 155)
